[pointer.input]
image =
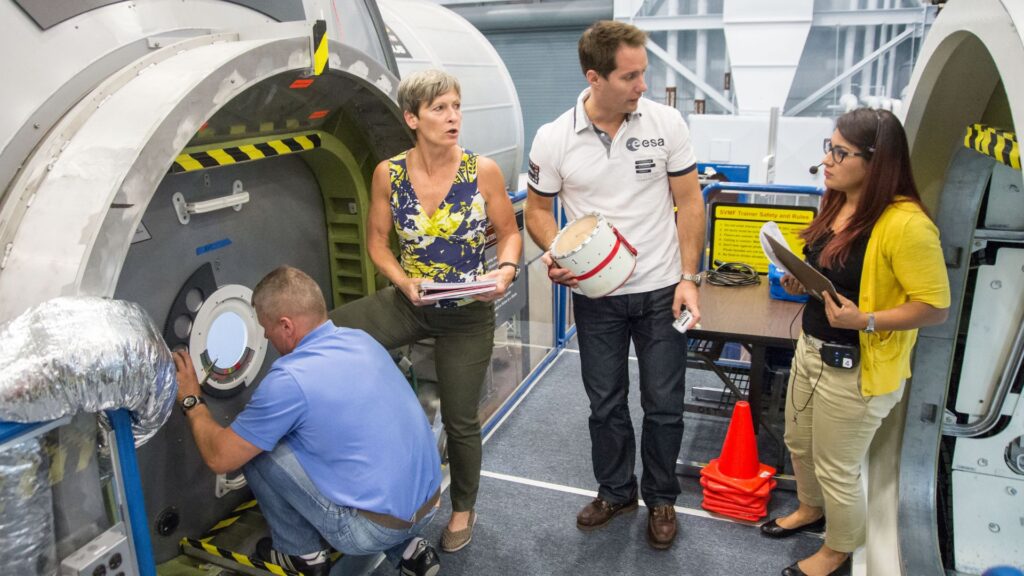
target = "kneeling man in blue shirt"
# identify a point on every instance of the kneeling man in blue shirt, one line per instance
(333, 443)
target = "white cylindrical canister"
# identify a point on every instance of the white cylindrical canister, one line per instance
(596, 253)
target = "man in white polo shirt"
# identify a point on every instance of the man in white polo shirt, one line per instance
(629, 159)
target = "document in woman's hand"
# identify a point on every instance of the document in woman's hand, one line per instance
(434, 291)
(814, 282)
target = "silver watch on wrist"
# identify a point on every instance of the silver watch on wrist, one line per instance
(870, 328)
(189, 402)
(695, 278)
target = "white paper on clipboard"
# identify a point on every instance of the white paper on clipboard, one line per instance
(772, 229)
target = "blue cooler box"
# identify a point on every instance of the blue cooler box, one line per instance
(775, 289)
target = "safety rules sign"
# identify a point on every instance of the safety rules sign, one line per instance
(735, 227)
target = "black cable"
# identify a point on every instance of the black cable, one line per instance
(733, 274)
(814, 388)
(793, 321)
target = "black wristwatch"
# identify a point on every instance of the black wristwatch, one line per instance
(189, 402)
(512, 264)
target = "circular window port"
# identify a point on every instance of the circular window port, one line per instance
(115, 561)
(227, 343)
(227, 340)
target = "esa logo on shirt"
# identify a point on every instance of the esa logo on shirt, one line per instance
(634, 144)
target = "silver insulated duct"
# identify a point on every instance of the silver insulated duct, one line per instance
(69, 355)
(27, 543)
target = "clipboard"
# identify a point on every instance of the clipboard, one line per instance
(814, 282)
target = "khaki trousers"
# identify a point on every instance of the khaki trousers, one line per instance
(829, 427)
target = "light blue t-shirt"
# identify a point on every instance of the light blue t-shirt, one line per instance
(351, 419)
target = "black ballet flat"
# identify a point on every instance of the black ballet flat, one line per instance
(794, 568)
(772, 529)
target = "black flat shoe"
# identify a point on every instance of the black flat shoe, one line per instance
(772, 529)
(794, 569)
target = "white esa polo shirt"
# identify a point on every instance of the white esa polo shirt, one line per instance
(627, 182)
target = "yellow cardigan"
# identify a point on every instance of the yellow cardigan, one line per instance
(903, 262)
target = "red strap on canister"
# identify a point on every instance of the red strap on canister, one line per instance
(619, 240)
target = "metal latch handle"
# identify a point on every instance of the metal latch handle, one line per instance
(185, 209)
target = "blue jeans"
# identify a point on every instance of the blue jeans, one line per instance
(301, 519)
(605, 327)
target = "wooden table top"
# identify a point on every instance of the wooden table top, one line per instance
(747, 314)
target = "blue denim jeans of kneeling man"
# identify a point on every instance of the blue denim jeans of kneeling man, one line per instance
(301, 519)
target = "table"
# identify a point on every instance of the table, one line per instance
(747, 315)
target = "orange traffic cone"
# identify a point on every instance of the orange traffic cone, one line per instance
(738, 466)
(716, 490)
(736, 484)
(739, 452)
(738, 512)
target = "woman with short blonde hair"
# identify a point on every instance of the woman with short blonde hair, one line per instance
(439, 199)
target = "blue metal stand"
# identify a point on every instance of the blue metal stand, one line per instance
(121, 423)
(759, 188)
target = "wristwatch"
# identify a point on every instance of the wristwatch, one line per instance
(512, 264)
(695, 278)
(870, 328)
(189, 402)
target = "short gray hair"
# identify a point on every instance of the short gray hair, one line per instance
(288, 291)
(423, 86)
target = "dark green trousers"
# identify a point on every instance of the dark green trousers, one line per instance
(463, 343)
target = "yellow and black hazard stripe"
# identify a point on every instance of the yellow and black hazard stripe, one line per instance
(203, 548)
(319, 47)
(999, 144)
(192, 161)
(227, 522)
(207, 551)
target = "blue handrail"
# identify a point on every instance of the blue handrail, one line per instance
(754, 188)
(11, 430)
(121, 423)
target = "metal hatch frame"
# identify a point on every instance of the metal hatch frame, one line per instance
(948, 93)
(68, 221)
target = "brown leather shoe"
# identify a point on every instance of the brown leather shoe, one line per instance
(661, 526)
(599, 513)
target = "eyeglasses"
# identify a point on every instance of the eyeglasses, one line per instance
(840, 153)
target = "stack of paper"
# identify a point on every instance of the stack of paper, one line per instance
(434, 291)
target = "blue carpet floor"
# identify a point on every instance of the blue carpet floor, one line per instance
(537, 474)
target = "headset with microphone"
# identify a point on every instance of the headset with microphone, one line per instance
(871, 149)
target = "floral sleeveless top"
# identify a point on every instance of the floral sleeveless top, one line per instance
(448, 245)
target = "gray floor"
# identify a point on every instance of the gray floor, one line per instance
(526, 527)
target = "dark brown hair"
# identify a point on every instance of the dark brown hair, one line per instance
(601, 41)
(880, 136)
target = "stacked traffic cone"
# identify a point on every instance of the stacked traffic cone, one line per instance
(736, 484)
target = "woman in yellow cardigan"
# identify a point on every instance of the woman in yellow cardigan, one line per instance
(874, 241)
